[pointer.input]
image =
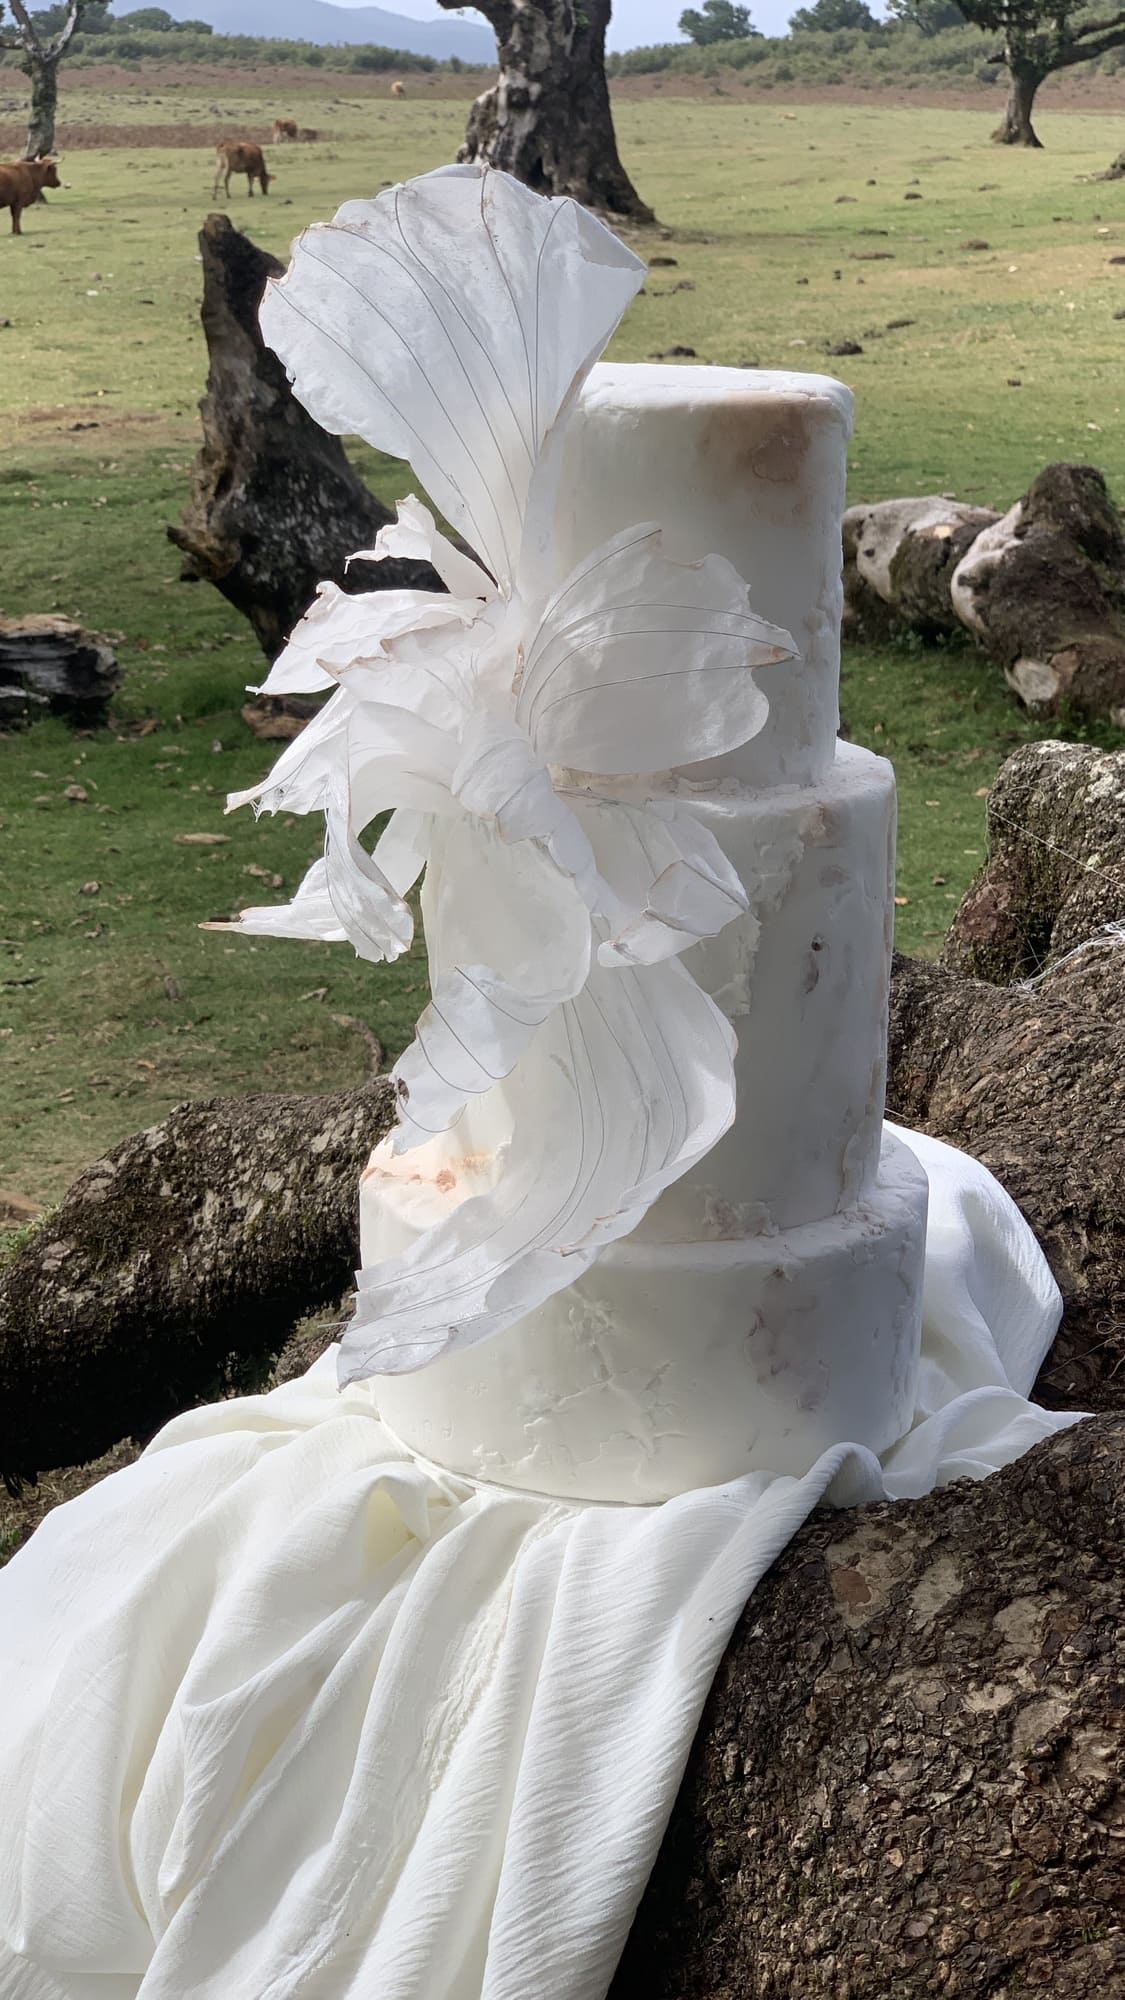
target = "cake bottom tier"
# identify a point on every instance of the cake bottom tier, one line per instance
(670, 1366)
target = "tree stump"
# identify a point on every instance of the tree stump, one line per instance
(50, 666)
(275, 507)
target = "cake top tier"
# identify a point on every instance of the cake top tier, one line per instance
(747, 464)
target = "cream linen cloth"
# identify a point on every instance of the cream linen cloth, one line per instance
(287, 1714)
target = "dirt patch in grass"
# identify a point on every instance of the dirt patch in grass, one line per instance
(74, 137)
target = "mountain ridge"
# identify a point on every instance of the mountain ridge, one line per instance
(320, 22)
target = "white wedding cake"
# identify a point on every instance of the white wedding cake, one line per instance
(770, 1302)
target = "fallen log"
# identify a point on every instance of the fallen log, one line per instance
(908, 1777)
(276, 508)
(177, 1266)
(1041, 590)
(1055, 872)
(50, 666)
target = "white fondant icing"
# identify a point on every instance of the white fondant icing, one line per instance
(804, 977)
(672, 1366)
(750, 465)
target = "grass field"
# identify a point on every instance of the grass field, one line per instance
(113, 1006)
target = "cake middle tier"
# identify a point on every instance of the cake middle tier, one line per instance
(804, 978)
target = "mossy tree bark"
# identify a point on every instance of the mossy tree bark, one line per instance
(547, 119)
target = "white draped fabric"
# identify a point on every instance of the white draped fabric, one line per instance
(287, 1714)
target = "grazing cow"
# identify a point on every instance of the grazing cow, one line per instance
(398, 89)
(308, 134)
(238, 156)
(22, 183)
(284, 131)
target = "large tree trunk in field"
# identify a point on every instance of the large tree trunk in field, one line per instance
(44, 109)
(275, 506)
(547, 120)
(1015, 128)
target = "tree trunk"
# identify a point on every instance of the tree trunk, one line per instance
(44, 74)
(907, 1781)
(178, 1265)
(547, 119)
(1015, 128)
(275, 506)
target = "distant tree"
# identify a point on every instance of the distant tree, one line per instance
(42, 54)
(827, 16)
(157, 20)
(1039, 37)
(930, 17)
(547, 118)
(717, 21)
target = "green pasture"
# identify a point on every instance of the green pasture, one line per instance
(113, 1004)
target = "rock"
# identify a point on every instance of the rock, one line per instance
(974, 243)
(50, 666)
(675, 353)
(906, 1782)
(662, 263)
(905, 553)
(911, 195)
(840, 347)
(894, 325)
(275, 506)
(1043, 590)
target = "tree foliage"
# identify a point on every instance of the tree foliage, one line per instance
(829, 16)
(716, 21)
(930, 17)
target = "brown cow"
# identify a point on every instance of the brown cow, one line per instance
(284, 130)
(398, 89)
(22, 183)
(309, 135)
(238, 156)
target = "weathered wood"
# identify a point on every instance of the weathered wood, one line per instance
(547, 118)
(1055, 872)
(904, 552)
(50, 666)
(908, 1779)
(275, 506)
(178, 1263)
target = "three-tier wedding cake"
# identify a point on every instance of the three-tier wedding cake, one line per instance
(769, 1303)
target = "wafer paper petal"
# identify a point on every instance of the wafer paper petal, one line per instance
(669, 879)
(510, 941)
(311, 914)
(415, 535)
(447, 322)
(340, 627)
(643, 664)
(620, 1092)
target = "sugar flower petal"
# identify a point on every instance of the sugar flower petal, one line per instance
(619, 1093)
(339, 628)
(641, 663)
(447, 322)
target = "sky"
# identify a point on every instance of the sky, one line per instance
(633, 22)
